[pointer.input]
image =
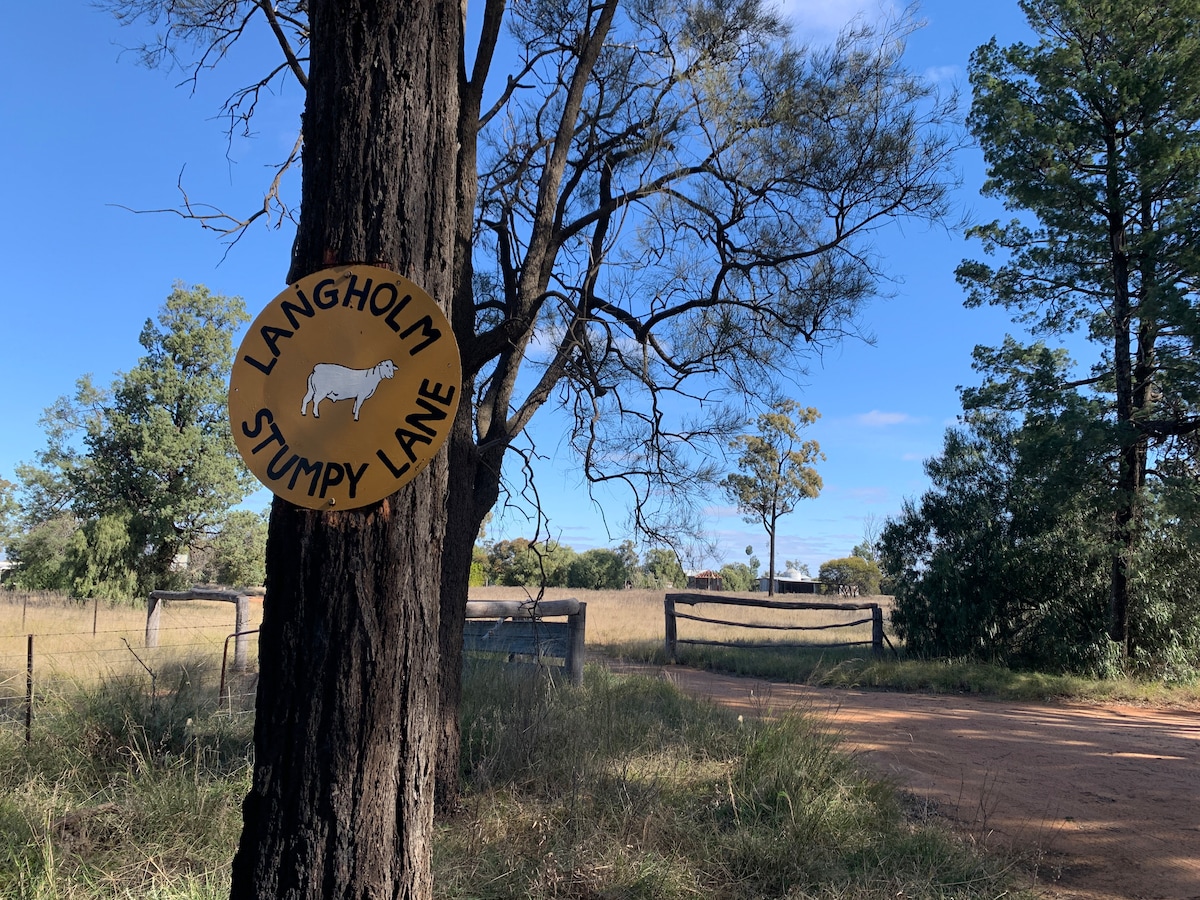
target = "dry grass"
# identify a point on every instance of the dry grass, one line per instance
(617, 618)
(66, 647)
(620, 788)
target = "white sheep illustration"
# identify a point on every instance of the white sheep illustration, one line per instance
(341, 383)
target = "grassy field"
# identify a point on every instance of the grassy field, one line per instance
(629, 624)
(635, 618)
(622, 788)
(84, 640)
(78, 647)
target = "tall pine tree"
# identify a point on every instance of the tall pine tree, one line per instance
(1094, 134)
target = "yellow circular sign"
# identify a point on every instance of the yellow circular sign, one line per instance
(344, 388)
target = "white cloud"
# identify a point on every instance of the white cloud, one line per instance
(879, 419)
(943, 74)
(823, 19)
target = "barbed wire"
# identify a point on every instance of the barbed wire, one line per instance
(172, 615)
(119, 634)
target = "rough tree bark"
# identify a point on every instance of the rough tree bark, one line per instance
(346, 734)
(463, 454)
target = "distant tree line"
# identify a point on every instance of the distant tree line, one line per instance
(524, 563)
(531, 564)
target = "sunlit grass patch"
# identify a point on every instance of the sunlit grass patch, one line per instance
(626, 788)
(123, 792)
(622, 787)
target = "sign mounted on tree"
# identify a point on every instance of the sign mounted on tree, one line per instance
(344, 388)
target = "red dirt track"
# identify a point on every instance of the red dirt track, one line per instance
(1107, 797)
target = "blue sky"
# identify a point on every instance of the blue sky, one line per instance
(91, 134)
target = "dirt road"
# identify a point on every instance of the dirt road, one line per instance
(1108, 796)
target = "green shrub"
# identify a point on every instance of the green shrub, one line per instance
(853, 571)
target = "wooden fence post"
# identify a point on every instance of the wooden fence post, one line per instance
(29, 692)
(242, 642)
(669, 629)
(877, 631)
(576, 634)
(153, 615)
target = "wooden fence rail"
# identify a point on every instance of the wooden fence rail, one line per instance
(672, 639)
(518, 631)
(241, 602)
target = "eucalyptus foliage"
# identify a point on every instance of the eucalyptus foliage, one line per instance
(777, 470)
(852, 572)
(738, 577)
(660, 569)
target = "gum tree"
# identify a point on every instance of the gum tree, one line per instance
(777, 471)
(650, 203)
(345, 737)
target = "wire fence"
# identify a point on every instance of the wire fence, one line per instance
(54, 651)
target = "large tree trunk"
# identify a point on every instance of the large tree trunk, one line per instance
(472, 492)
(345, 739)
(1121, 317)
(1127, 493)
(464, 517)
(456, 568)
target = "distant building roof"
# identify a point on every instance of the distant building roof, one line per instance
(792, 575)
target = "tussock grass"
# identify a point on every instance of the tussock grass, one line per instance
(959, 676)
(626, 788)
(622, 788)
(124, 793)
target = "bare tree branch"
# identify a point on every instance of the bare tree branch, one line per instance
(226, 224)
